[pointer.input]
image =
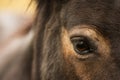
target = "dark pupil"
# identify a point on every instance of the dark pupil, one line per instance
(82, 45)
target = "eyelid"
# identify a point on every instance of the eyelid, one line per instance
(86, 31)
(85, 57)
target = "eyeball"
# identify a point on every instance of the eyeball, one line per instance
(82, 46)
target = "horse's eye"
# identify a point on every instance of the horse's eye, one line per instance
(82, 46)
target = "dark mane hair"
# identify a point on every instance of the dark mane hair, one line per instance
(48, 26)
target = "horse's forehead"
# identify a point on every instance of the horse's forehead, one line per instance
(104, 14)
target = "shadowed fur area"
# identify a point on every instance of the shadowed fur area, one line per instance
(94, 22)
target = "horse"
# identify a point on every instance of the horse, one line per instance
(77, 40)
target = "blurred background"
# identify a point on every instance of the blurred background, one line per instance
(19, 6)
(16, 34)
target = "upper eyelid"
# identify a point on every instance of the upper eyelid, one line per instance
(78, 31)
(73, 36)
(86, 31)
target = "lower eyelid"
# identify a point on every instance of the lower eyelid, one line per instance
(85, 57)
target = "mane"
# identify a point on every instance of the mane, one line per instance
(47, 13)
